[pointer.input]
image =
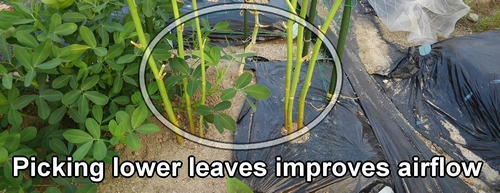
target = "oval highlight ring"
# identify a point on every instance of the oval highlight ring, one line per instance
(233, 146)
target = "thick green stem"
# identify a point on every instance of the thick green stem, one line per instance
(159, 81)
(298, 65)
(312, 63)
(245, 27)
(289, 66)
(201, 43)
(180, 41)
(310, 19)
(344, 28)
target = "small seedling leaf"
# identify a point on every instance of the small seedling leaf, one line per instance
(77, 136)
(243, 80)
(245, 55)
(222, 26)
(203, 110)
(257, 91)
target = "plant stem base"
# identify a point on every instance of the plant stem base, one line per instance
(302, 139)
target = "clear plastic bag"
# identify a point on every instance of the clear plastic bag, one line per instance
(424, 19)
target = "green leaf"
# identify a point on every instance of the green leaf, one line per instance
(126, 59)
(76, 51)
(88, 37)
(148, 128)
(192, 86)
(160, 54)
(73, 17)
(23, 101)
(132, 69)
(97, 98)
(148, 7)
(93, 128)
(55, 21)
(227, 121)
(57, 115)
(60, 81)
(205, 23)
(180, 65)
(228, 94)
(120, 130)
(51, 64)
(203, 110)
(28, 133)
(133, 142)
(7, 81)
(4, 155)
(23, 57)
(114, 51)
(51, 95)
(5, 48)
(26, 39)
(222, 26)
(14, 117)
(100, 150)
(215, 54)
(58, 146)
(218, 123)
(12, 142)
(77, 136)
(123, 117)
(257, 91)
(89, 188)
(43, 108)
(82, 151)
(75, 115)
(171, 81)
(52, 189)
(236, 186)
(28, 78)
(243, 80)
(41, 52)
(66, 29)
(7, 169)
(100, 51)
(97, 113)
(222, 106)
(112, 26)
(139, 115)
(71, 96)
(3, 100)
(89, 82)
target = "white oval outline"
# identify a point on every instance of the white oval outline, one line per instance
(235, 146)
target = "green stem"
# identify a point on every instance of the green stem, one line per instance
(344, 28)
(310, 19)
(289, 66)
(312, 63)
(202, 58)
(180, 41)
(159, 81)
(254, 36)
(245, 27)
(298, 65)
(28, 116)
